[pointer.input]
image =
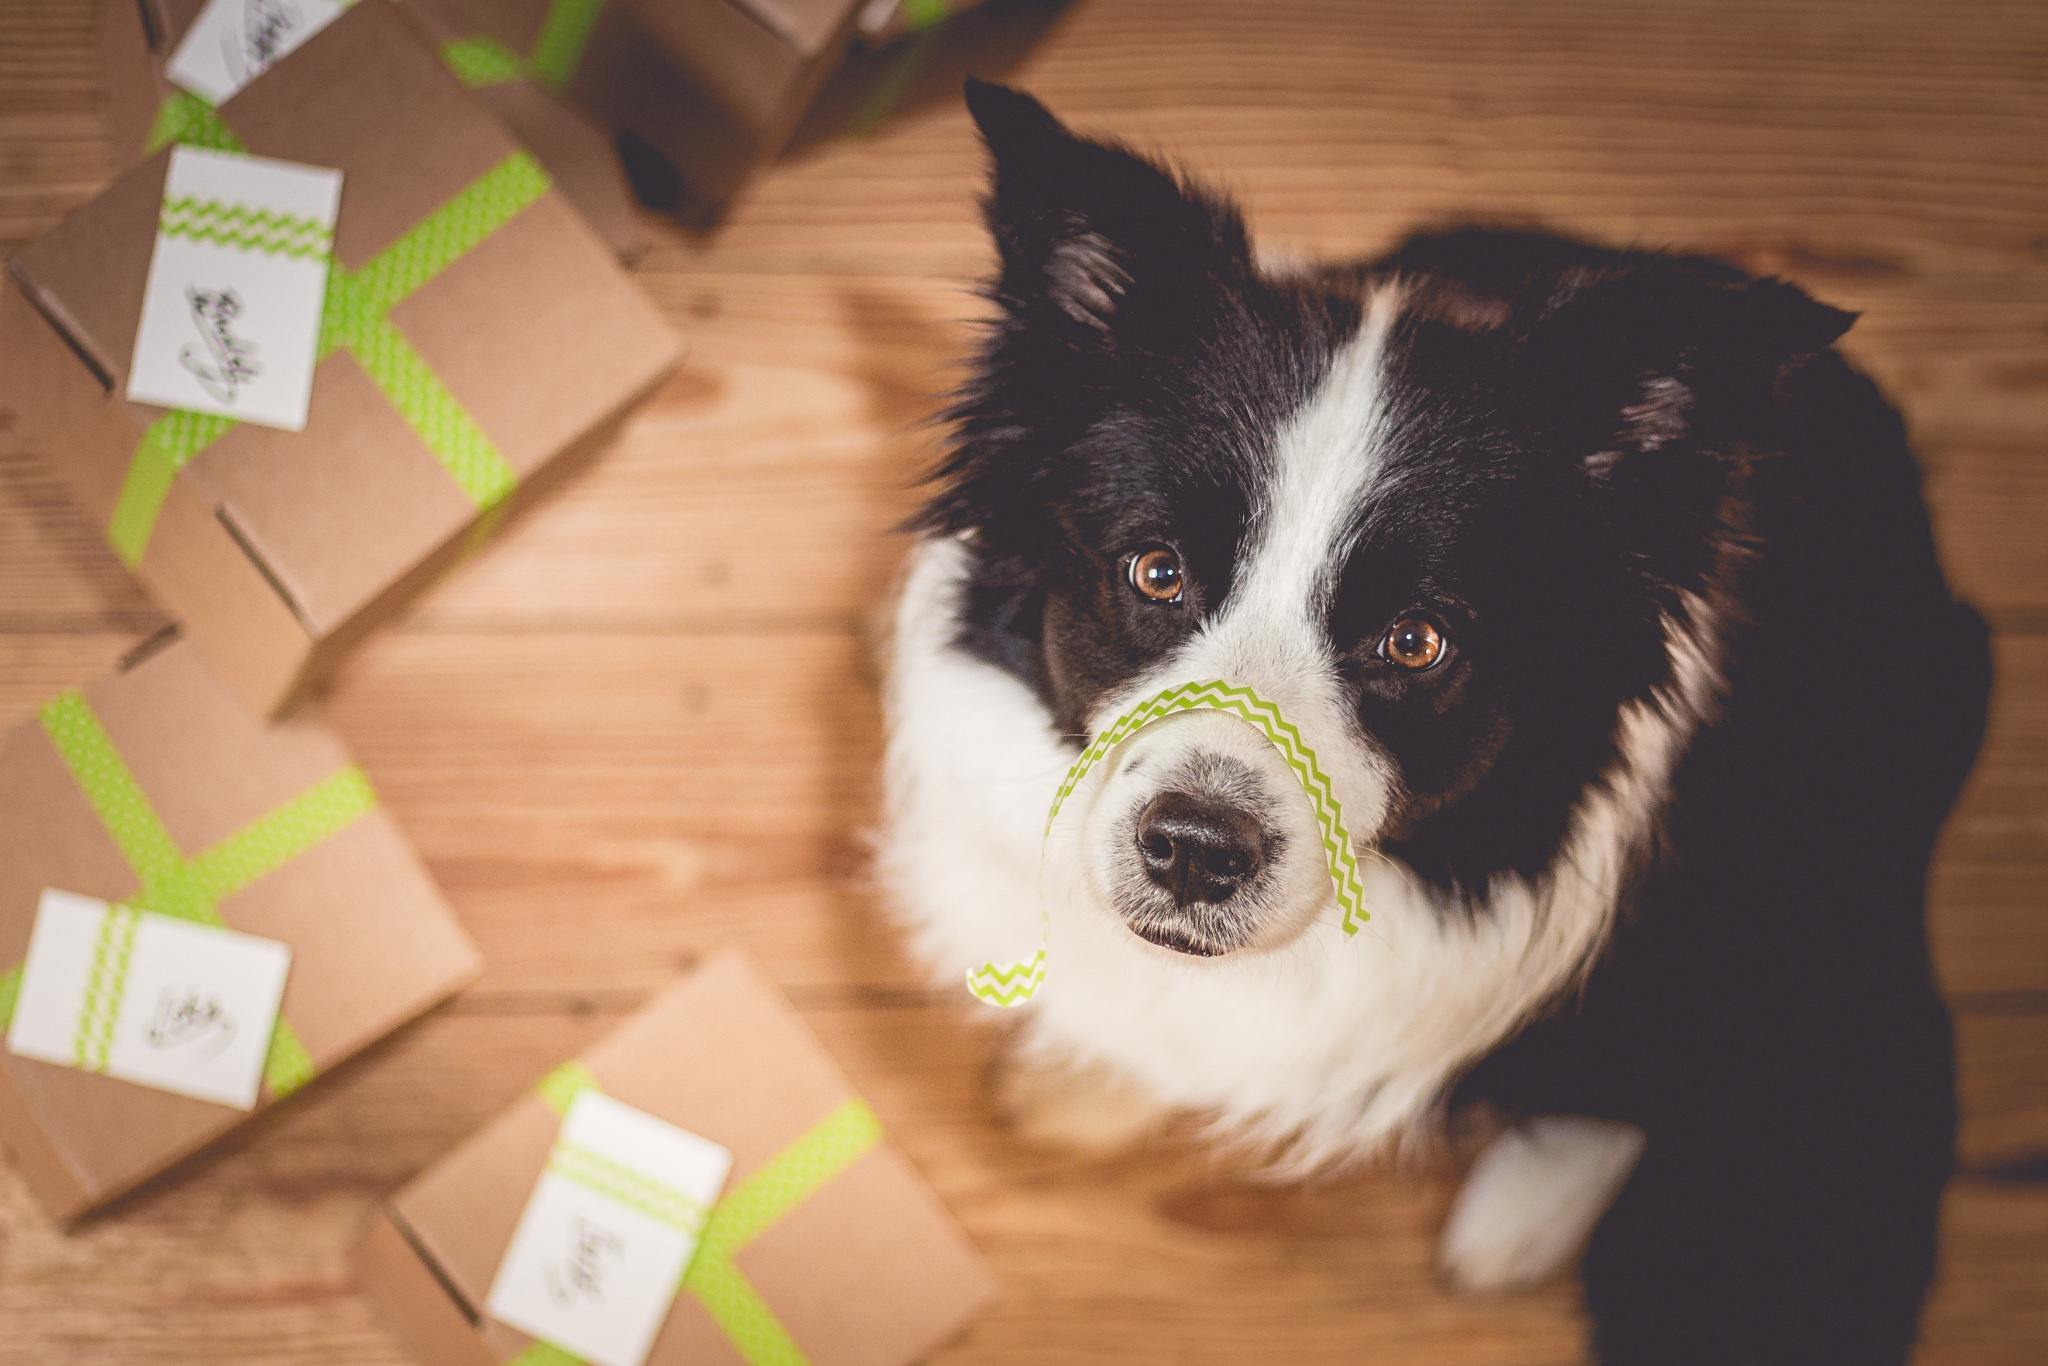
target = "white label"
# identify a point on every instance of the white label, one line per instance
(600, 1252)
(231, 313)
(149, 999)
(232, 42)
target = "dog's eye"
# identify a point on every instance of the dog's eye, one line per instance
(1414, 643)
(1156, 574)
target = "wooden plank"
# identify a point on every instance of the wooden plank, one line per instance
(762, 483)
(726, 761)
(1841, 133)
(722, 788)
(1986, 925)
(1161, 1257)
(34, 668)
(2003, 815)
(2002, 1084)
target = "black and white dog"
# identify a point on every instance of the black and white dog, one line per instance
(1604, 592)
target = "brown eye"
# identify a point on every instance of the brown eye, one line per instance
(1156, 574)
(1413, 643)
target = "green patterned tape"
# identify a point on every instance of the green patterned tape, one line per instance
(818, 1156)
(245, 228)
(557, 52)
(106, 982)
(1012, 984)
(634, 1189)
(481, 62)
(189, 889)
(357, 318)
(186, 119)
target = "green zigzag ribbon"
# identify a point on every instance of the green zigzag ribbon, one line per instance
(245, 226)
(191, 889)
(817, 1157)
(484, 61)
(106, 983)
(629, 1186)
(1012, 984)
(244, 241)
(356, 318)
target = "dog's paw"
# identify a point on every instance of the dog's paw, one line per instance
(1532, 1199)
(1090, 1111)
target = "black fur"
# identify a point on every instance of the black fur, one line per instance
(1583, 443)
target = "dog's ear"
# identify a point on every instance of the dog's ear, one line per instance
(1095, 240)
(1700, 313)
(1663, 340)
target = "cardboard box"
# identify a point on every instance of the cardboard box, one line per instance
(138, 36)
(919, 56)
(866, 1268)
(699, 91)
(883, 22)
(373, 943)
(277, 550)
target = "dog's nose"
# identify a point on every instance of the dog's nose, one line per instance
(1198, 850)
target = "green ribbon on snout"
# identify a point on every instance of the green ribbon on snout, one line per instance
(1012, 984)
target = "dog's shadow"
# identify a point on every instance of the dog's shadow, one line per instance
(908, 338)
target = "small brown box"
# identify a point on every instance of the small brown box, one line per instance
(868, 1269)
(714, 87)
(276, 550)
(373, 944)
(884, 23)
(137, 37)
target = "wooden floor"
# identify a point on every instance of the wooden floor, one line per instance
(642, 724)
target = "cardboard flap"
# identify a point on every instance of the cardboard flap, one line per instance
(809, 26)
(87, 274)
(414, 1302)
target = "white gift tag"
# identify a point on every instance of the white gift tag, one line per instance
(231, 312)
(232, 42)
(600, 1251)
(149, 999)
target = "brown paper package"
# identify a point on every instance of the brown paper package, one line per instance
(277, 550)
(870, 1270)
(373, 943)
(714, 87)
(137, 37)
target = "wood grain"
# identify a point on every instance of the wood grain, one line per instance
(648, 707)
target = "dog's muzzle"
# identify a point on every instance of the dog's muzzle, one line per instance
(1192, 849)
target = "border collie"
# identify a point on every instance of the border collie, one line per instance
(1603, 590)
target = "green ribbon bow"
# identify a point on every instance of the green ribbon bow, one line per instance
(191, 889)
(483, 61)
(1012, 984)
(356, 318)
(819, 1154)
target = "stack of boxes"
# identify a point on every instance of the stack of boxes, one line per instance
(202, 906)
